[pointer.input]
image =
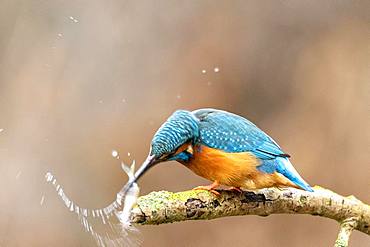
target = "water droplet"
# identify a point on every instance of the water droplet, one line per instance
(42, 200)
(18, 174)
(124, 100)
(73, 19)
(1, 130)
(60, 35)
(49, 176)
(114, 153)
(216, 69)
(100, 101)
(204, 71)
(178, 96)
(128, 154)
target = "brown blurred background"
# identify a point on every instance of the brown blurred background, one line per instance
(79, 79)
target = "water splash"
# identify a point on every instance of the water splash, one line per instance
(73, 19)
(114, 153)
(18, 175)
(130, 197)
(119, 234)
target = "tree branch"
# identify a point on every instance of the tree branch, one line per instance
(346, 228)
(166, 207)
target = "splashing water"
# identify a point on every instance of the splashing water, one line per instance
(130, 197)
(73, 19)
(18, 175)
(121, 234)
(114, 153)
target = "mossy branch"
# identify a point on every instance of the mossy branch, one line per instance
(346, 228)
(166, 207)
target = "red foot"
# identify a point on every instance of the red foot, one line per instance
(210, 188)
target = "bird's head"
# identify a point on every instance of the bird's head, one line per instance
(168, 142)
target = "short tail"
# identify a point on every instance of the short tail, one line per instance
(286, 168)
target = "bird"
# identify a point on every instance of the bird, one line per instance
(222, 147)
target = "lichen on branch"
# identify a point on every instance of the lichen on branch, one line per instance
(166, 207)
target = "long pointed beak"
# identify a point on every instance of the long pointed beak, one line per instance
(148, 163)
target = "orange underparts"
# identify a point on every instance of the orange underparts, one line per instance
(233, 169)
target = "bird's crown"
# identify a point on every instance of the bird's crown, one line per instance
(179, 128)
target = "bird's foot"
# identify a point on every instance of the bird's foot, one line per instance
(237, 189)
(211, 188)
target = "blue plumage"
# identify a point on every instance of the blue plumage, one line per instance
(223, 131)
(233, 133)
(283, 166)
(179, 128)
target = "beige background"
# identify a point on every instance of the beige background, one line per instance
(72, 91)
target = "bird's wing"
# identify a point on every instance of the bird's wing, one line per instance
(233, 133)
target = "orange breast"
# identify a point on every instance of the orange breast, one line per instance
(232, 169)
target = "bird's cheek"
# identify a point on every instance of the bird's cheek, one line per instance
(181, 157)
(190, 150)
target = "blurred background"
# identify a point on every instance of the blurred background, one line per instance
(79, 79)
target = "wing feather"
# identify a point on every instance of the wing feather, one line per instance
(232, 133)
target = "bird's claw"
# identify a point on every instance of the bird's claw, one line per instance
(215, 192)
(211, 188)
(237, 189)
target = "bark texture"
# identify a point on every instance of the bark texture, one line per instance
(166, 207)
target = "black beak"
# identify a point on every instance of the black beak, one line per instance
(148, 163)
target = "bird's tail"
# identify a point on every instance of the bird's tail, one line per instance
(286, 168)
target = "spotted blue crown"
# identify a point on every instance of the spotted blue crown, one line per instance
(181, 127)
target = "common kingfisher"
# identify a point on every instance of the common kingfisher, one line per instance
(224, 148)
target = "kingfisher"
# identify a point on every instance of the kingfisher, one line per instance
(223, 147)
